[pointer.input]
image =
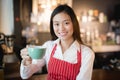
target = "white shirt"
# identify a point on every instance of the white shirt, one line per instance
(70, 55)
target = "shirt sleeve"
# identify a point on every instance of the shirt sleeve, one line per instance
(86, 64)
(28, 71)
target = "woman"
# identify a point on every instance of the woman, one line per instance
(67, 58)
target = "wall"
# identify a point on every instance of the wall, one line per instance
(6, 17)
(106, 6)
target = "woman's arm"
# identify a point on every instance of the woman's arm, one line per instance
(87, 60)
(27, 71)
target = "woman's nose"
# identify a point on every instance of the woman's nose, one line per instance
(61, 28)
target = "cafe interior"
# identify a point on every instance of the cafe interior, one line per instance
(26, 22)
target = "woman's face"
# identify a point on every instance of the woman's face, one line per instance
(63, 26)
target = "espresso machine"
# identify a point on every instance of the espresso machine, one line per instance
(7, 44)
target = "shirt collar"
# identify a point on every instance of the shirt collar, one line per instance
(75, 44)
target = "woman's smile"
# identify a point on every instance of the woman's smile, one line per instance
(62, 34)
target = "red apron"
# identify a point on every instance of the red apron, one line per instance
(62, 70)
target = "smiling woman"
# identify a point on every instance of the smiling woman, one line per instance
(66, 56)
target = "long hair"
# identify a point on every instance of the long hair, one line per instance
(68, 10)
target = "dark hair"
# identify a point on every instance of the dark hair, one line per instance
(65, 8)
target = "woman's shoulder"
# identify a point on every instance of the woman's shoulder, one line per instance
(49, 43)
(86, 49)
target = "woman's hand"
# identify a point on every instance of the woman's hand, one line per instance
(26, 58)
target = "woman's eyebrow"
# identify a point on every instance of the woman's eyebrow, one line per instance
(63, 20)
(55, 21)
(67, 20)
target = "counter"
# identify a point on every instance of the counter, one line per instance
(105, 56)
(98, 74)
(106, 48)
(39, 77)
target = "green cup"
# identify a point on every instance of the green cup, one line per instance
(36, 52)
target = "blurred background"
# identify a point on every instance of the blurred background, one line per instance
(26, 22)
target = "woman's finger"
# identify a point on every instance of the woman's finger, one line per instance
(24, 51)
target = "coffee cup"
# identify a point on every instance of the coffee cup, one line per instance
(36, 52)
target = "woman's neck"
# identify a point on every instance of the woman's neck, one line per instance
(65, 44)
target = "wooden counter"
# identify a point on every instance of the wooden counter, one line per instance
(12, 73)
(106, 48)
(98, 74)
(39, 77)
(1, 74)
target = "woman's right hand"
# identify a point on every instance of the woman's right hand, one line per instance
(26, 58)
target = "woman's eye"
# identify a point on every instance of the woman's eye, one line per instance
(56, 24)
(66, 23)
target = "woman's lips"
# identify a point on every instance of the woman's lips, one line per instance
(63, 33)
